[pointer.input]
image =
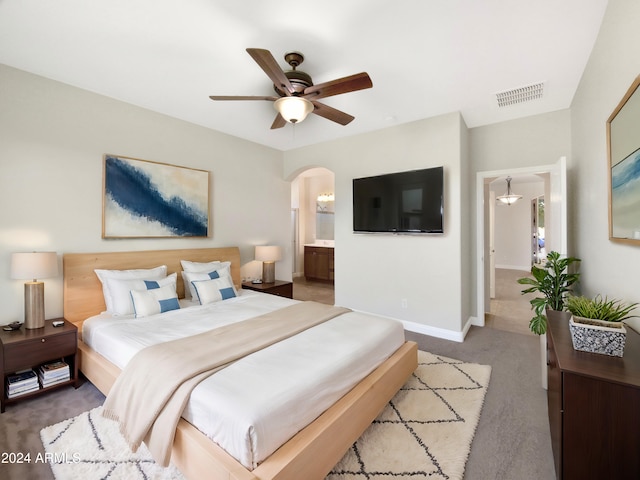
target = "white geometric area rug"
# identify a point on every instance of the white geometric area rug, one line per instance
(425, 432)
(90, 447)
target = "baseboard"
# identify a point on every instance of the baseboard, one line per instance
(431, 331)
(438, 332)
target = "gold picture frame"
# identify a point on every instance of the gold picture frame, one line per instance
(623, 148)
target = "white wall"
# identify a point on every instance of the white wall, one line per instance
(513, 226)
(607, 267)
(52, 141)
(374, 273)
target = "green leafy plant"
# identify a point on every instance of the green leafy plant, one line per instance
(599, 308)
(554, 282)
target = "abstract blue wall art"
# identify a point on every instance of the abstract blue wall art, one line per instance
(625, 196)
(144, 199)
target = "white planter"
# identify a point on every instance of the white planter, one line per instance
(597, 336)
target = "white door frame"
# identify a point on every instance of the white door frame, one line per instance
(558, 202)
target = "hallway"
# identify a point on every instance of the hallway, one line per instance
(510, 310)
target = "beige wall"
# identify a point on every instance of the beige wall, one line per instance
(608, 268)
(52, 141)
(526, 142)
(374, 273)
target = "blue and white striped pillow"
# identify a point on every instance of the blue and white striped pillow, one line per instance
(155, 300)
(214, 290)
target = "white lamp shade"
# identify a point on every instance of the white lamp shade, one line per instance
(509, 199)
(268, 253)
(34, 265)
(293, 109)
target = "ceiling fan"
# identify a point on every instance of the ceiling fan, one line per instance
(297, 96)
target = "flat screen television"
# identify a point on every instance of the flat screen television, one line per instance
(402, 202)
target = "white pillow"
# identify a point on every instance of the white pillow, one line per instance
(214, 290)
(156, 300)
(148, 273)
(189, 266)
(121, 291)
(222, 270)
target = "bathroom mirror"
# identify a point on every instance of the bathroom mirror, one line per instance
(324, 225)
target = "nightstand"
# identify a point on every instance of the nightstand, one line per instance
(23, 349)
(279, 288)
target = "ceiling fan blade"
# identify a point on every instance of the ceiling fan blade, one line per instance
(266, 61)
(278, 122)
(241, 97)
(352, 83)
(332, 114)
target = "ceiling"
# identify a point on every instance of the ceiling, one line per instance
(425, 57)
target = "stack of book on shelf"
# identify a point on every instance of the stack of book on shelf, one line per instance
(21, 383)
(53, 373)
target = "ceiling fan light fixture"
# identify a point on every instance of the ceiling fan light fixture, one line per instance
(293, 109)
(509, 198)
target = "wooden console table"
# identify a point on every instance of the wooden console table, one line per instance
(594, 407)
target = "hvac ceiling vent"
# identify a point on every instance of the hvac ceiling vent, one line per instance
(520, 95)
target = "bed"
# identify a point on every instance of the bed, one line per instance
(310, 454)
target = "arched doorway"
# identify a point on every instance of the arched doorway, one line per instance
(312, 225)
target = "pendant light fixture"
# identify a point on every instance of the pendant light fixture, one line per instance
(509, 198)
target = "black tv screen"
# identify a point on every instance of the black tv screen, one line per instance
(403, 202)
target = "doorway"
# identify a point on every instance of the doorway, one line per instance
(555, 230)
(511, 239)
(313, 217)
(555, 222)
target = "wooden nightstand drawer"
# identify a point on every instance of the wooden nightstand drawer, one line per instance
(34, 351)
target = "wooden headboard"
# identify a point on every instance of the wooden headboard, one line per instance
(83, 291)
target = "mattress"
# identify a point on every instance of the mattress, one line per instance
(258, 403)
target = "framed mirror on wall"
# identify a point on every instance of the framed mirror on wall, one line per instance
(623, 144)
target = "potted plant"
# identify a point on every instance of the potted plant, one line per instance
(596, 324)
(554, 282)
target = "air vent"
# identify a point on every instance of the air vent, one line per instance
(520, 95)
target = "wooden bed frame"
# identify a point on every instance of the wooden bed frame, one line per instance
(309, 455)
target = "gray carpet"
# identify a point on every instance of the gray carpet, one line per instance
(512, 439)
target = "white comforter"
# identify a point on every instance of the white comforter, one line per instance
(258, 403)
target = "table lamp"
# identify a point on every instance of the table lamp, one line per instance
(268, 255)
(34, 265)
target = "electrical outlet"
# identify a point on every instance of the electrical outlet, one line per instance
(403, 303)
